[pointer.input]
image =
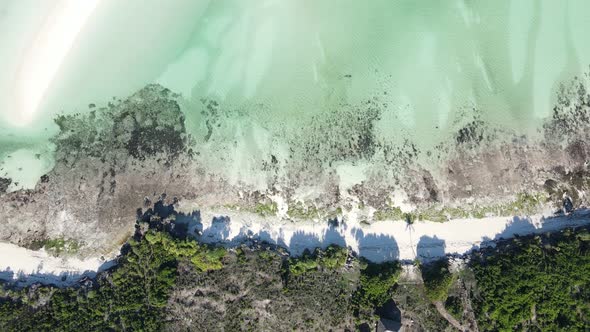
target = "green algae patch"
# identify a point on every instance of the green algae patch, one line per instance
(302, 211)
(147, 124)
(524, 204)
(442, 214)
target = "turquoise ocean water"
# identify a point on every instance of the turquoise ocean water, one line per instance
(274, 67)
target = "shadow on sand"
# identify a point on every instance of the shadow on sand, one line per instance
(376, 247)
(522, 226)
(22, 279)
(430, 248)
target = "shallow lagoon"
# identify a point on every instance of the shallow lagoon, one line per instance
(274, 67)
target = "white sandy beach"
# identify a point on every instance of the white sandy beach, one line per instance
(29, 266)
(387, 240)
(381, 241)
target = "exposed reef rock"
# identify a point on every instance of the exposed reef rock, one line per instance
(107, 162)
(510, 163)
(146, 125)
(113, 160)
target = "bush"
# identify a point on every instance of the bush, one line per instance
(132, 296)
(454, 307)
(545, 277)
(437, 279)
(376, 284)
(332, 258)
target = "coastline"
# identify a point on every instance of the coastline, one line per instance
(379, 242)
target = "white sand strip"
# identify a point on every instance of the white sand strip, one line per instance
(381, 241)
(386, 240)
(29, 266)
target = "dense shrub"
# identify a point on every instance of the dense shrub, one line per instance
(330, 259)
(454, 306)
(376, 286)
(437, 279)
(133, 296)
(535, 283)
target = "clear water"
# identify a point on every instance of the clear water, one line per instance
(276, 66)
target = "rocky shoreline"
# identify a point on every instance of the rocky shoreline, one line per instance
(113, 159)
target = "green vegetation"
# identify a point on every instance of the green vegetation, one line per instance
(56, 247)
(535, 283)
(409, 218)
(203, 258)
(523, 204)
(454, 307)
(267, 255)
(299, 267)
(527, 283)
(437, 279)
(410, 298)
(331, 259)
(133, 296)
(136, 294)
(266, 209)
(299, 210)
(249, 294)
(376, 285)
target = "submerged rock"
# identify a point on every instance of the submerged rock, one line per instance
(4, 184)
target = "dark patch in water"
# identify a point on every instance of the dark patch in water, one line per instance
(4, 184)
(147, 124)
(472, 133)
